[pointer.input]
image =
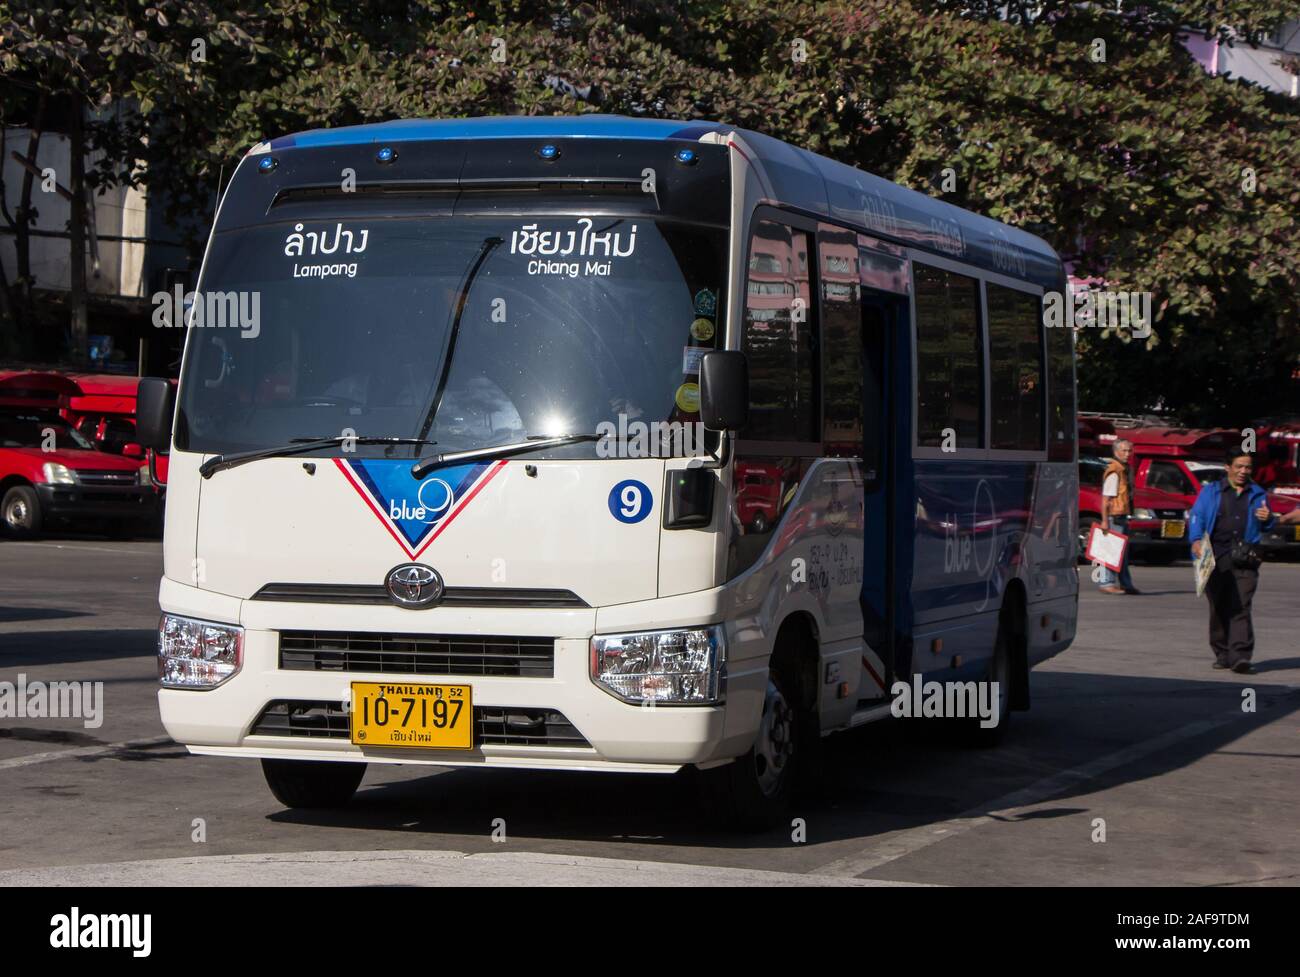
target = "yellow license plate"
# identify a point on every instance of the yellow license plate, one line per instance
(1297, 534)
(430, 717)
(1173, 529)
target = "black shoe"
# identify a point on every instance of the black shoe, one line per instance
(1219, 664)
(1132, 590)
(1243, 668)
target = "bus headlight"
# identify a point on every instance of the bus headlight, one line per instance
(197, 654)
(685, 666)
(57, 474)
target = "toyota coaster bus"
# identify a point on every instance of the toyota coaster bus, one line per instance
(601, 443)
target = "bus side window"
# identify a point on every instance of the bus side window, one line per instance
(1061, 424)
(779, 340)
(949, 359)
(1015, 368)
(842, 365)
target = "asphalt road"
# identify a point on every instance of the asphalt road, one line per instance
(1130, 726)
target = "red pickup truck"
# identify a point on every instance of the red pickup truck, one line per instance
(49, 473)
(1157, 529)
(103, 412)
(1178, 461)
(1280, 470)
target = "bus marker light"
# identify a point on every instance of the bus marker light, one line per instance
(266, 164)
(386, 155)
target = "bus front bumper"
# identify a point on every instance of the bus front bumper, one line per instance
(563, 722)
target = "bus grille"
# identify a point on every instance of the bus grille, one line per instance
(493, 725)
(417, 654)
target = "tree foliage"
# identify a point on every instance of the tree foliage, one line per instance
(1138, 167)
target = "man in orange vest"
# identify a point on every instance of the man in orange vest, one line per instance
(1117, 506)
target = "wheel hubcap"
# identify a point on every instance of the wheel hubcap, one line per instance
(775, 744)
(16, 515)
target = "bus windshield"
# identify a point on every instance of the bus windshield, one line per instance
(467, 332)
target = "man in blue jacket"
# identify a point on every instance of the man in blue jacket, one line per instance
(1234, 512)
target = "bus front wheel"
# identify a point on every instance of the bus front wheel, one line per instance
(755, 791)
(312, 783)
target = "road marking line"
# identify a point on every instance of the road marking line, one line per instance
(82, 751)
(414, 868)
(910, 840)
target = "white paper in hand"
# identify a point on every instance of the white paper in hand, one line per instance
(1107, 548)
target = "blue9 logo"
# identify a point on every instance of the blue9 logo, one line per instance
(630, 501)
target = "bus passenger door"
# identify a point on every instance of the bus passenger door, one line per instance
(886, 437)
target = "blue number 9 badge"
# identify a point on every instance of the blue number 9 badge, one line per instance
(630, 501)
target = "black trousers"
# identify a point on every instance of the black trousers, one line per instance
(1230, 592)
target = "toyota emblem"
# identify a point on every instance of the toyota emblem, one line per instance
(414, 585)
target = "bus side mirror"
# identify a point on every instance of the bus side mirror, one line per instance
(724, 390)
(155, 406)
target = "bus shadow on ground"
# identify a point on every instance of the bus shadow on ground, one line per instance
(11, 615)
(18, 650)
(879, 778)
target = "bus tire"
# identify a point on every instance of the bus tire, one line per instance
(21, 511)
(312, 783)
(755, 792)
(1002, 669)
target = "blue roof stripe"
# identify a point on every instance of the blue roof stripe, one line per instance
(502, 127)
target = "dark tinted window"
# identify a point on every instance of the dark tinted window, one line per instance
(1015, 369)
(1061, 424)
(1168, 477)
(842, 342)
(33, 429)
(949, 358)
(779, 340)
(1091, 471)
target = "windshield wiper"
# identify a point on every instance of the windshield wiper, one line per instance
(426, 465)
(453, 332)
(296, 447)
